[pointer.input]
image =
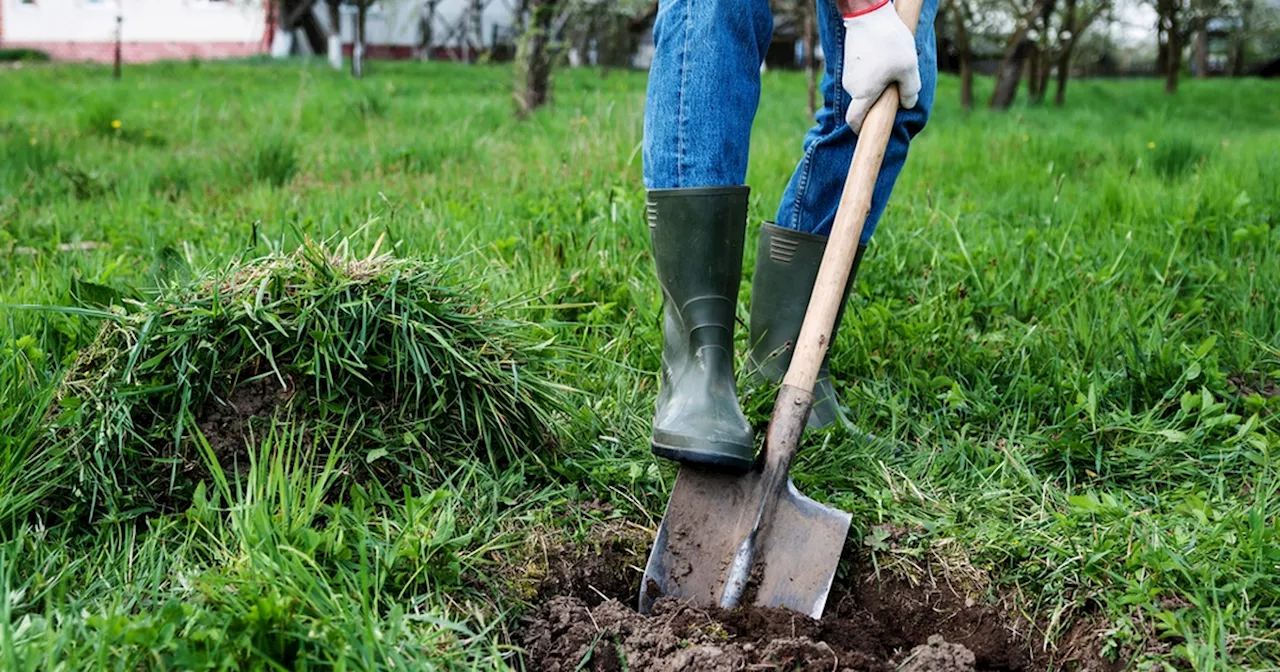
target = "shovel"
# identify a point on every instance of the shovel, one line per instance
(755, 539)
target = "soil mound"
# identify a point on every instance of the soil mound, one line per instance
(567, 635)
(586, 620)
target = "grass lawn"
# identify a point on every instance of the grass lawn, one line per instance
(1067, 325)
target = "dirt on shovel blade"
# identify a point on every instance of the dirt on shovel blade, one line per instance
(586, 620)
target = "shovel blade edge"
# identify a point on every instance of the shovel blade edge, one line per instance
(798, 554)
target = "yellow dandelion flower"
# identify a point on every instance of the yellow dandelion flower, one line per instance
(33, 142)
(147, 133)
(1026, 138)
(1151, 145)
(115, 123)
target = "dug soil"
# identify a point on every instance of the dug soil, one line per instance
(229, 424)
(584, 619)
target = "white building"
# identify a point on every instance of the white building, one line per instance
(149, 29)
(86, 30)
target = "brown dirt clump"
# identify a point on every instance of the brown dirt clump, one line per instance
(938, 655)
(604, 568)
(584, 618)
(228, 424)
(1247, 384)
(565, 634)
(910, 614)
(1081, 648)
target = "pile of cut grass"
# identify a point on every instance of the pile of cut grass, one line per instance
(404, 356)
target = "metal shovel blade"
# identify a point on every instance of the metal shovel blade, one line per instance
(708, 517)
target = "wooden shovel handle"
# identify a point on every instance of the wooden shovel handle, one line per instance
(851, 216)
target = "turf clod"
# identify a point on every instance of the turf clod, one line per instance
(404, 354)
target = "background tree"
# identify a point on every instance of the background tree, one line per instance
(809, 26)
(1243, 14)
(602, 27)
(1200, 40)
(969, 31)
(1171, 30)
(960, 15)
(600, 33)
(1077, 20)
(533, 57)
(1057, 45)
(1021, 47)
(1252, 28)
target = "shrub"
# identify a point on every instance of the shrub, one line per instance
(23, 54)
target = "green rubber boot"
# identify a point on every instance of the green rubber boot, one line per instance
(787, 263)
(698, 237)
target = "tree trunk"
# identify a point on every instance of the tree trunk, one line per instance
(1010, 74)
(1046, 73)
(1020, 48)
(1075, 26)
(1033, 73)
(119, 57)
(535, 62)
(810, 62)
(1202, 49)
(1069, 27)
(1041, 60)
(1064, 70)
(1043, 66)
(964, 53)
(335, 34)
(1237, 58)
(966, 83)
(477, 27)
(1162, 49)
(1239, 37)
(357, 49)
(1169, 49)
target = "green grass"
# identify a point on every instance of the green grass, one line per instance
(1067, 318)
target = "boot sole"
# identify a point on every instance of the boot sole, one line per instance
(716, 455)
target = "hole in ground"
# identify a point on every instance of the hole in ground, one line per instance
(584, 618)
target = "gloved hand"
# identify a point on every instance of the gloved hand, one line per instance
(879, 50)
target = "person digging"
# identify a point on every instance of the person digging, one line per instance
(703, 91)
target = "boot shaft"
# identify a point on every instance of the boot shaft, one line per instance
(698, 237)
(787, 264)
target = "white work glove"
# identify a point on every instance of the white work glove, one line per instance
(879, 50)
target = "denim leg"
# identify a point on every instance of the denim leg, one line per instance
(810, 200)
(703, 90)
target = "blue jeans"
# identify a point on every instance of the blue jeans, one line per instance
(704, 87)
